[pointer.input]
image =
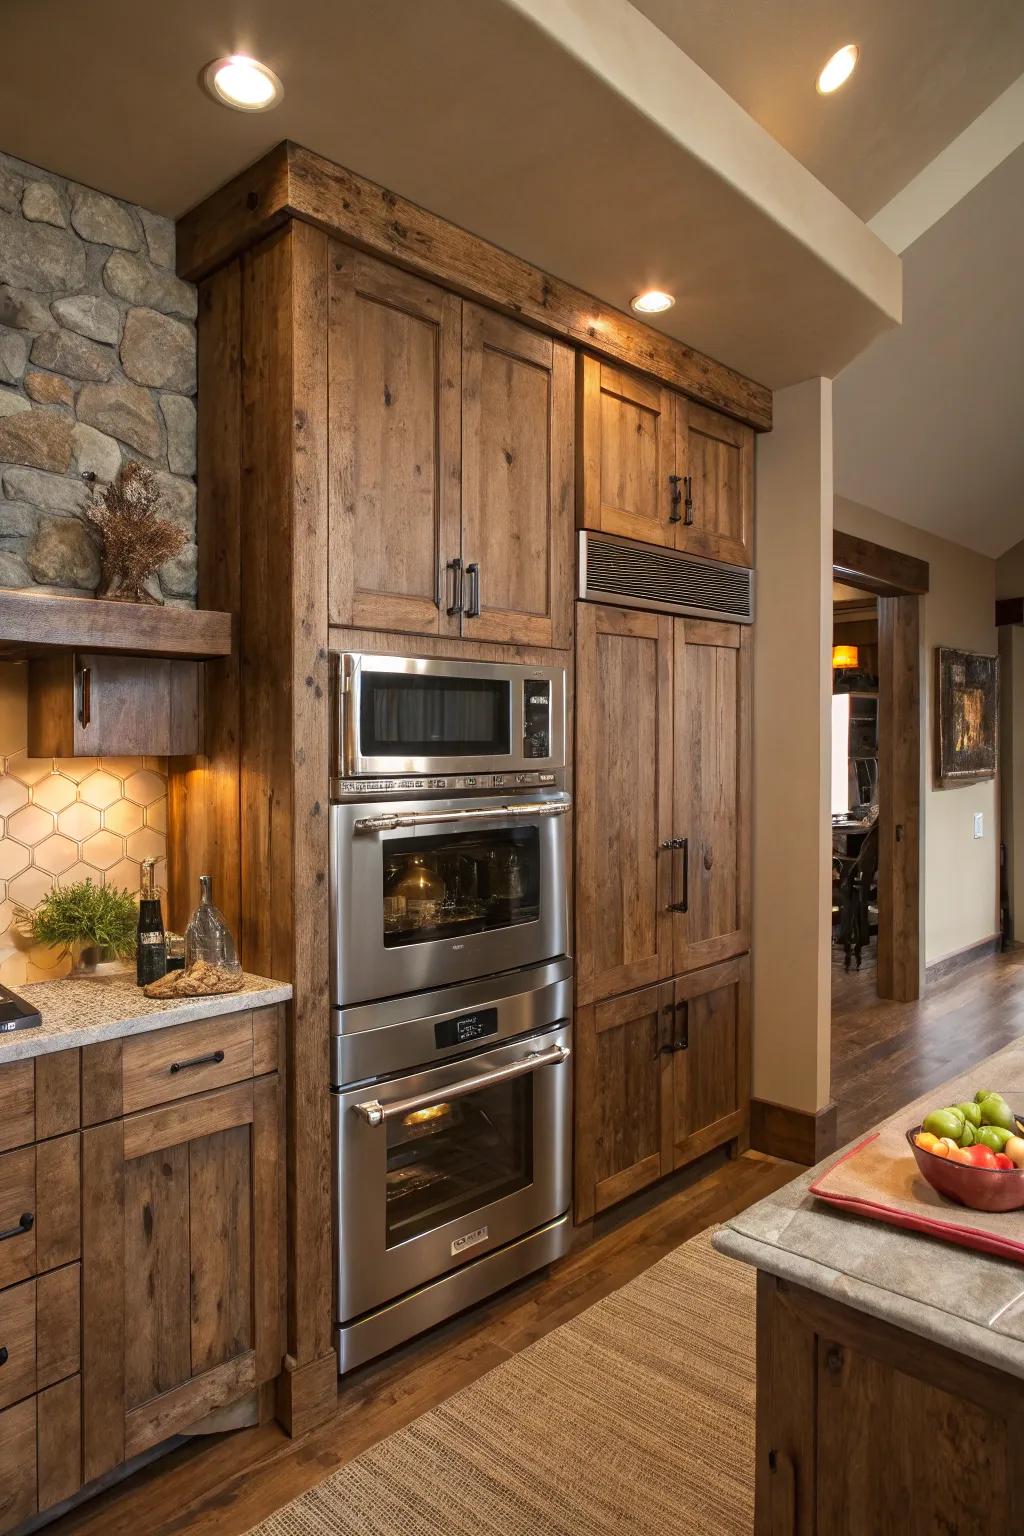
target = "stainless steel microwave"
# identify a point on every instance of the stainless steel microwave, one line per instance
(398, 715)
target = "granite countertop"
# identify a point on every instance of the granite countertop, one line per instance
(966, 1300)
(84, 1011)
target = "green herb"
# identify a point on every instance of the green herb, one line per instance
(85, 914)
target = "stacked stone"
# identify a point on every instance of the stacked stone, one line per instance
(97, 365)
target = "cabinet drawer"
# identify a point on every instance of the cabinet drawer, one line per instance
(17, 1464)
(38, 1098)
(40, 1208)
(189, 1058)
(17, 1343)
(40, 1452)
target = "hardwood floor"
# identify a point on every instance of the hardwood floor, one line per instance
(224, 1485)
(885, 1053)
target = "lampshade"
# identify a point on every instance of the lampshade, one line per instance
(844, 656)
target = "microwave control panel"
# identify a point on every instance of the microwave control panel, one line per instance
(537, 717)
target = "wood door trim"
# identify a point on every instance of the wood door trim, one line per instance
(899, 798)
(291, 182)
(875, 568)
(222, 1109)
(175, 1410)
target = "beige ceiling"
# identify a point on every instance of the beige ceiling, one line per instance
(927, 69)
(929, 421)
(513, 119)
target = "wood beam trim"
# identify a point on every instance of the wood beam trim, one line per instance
(877, 569)
(291, 182)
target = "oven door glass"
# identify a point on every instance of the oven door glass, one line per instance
(411, 715)
(445, 1160)
(458, 883)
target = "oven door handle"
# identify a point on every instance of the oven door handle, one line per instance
(376, 1113)
(390, 820)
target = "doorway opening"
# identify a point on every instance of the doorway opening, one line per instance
(877, 835)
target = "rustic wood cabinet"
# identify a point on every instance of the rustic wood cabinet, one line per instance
(662, 796)
(82, 704)
(662, 1076)
(657, 467)
(141, 1249)
(862, 1426)
(451, 463)
(623, 808)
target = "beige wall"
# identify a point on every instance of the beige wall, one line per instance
(792, 721)
(961, 874)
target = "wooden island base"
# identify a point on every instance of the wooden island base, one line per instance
(864, 1429)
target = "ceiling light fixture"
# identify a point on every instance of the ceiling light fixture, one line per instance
(838, 69)
(653, 302)
(243, 83)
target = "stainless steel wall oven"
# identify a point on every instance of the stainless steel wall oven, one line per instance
(451, 985)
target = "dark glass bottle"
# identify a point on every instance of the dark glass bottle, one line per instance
(151, 953)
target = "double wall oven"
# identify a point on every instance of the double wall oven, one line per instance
(451, 987)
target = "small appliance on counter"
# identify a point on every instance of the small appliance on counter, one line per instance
(451, 988)
(15, 1013)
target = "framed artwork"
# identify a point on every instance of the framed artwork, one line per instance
(967, 716)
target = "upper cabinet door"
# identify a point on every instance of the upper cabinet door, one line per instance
(627, 430)
(394, 363)
(715, 458)
(711, 792)
(623, 800)
(517, 468)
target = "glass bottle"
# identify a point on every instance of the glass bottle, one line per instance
(208, 937)
(151, 949)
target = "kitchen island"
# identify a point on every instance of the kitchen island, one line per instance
(890, 1365)
(142, 1254)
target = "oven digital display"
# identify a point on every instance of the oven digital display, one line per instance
(467, 1027)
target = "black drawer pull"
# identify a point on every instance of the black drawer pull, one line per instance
(198, 1061)
(4, 1357)
(24, 1225)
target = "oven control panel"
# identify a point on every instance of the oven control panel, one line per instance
(466, 1028)
(448, 784)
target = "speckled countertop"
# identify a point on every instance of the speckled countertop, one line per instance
(953, 1296)
(82, 1012)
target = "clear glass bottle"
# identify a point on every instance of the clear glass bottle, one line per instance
(208, 937)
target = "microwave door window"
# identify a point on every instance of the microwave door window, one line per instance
(460, 883)
(405, 715)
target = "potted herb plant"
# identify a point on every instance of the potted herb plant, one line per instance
(96, 924)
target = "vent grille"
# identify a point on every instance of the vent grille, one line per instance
(641, 576)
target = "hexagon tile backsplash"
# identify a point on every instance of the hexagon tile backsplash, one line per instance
(68, 819)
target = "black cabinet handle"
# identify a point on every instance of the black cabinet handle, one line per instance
(682, 844)
(688, 504)
(473, 572)
(682, 1040)
(455, 566)
(197, 1061)
(85, 696)
(677, 496)
(4, 1356)
(24, 1225)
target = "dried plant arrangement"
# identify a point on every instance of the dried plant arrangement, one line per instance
(135, 539)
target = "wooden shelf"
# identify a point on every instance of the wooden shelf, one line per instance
(32, 623)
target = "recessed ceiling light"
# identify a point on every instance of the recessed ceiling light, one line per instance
(653, 302)
(243, 83)
(838, 69)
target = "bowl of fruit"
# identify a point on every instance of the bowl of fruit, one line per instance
(973, 1152)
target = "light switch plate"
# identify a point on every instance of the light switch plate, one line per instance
(979, 823)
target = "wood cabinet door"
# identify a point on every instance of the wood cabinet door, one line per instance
(623, 799)
(623, 1097)
(626, 453)
(181, 1266)
(394, 446)
(711, 792)
(715, 457)
(710, 1053)
(517, 482)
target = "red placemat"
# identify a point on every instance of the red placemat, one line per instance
(879, 1178)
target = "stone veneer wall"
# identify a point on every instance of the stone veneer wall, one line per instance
(97, 365)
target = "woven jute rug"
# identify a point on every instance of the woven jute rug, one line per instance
(636, 1416)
